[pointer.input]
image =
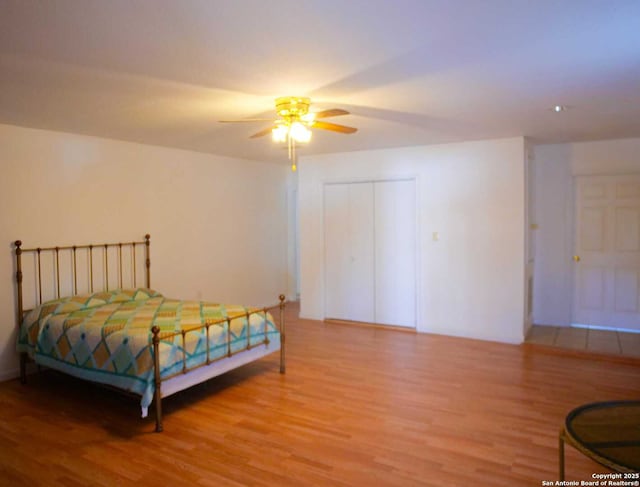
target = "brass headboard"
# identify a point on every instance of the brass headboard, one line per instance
(91, 251)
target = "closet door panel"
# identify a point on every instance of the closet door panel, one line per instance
(349, 251)
(395, 253)
(336, 255)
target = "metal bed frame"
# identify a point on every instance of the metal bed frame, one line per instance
(157, 335)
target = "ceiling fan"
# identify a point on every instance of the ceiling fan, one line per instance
(295, 123)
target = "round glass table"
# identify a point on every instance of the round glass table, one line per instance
(607, 432)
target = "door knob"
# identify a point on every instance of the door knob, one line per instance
(576, 258)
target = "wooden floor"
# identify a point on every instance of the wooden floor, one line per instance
(357, 407)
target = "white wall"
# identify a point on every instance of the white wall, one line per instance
(471, 281)
(218, 226)
(555, 168)
(529, 198)
(292, 236)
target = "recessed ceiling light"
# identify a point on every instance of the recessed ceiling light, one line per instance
(559, 108)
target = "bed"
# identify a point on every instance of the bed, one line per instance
(130, 337)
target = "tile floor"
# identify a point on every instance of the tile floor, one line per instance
(598, 341)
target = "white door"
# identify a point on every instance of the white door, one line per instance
(395, 251)
(349, 251)
(607, 251)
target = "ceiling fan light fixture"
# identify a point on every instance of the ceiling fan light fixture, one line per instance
(299, 133)
(279, 133)
(295, 123)
(295, 131)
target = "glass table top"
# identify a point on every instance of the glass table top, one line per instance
(610, 430)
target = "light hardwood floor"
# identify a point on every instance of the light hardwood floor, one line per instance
(358, 407)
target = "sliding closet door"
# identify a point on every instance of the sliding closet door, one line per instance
(395, 249)
(349, 251)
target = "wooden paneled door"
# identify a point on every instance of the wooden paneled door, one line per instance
(607, 252)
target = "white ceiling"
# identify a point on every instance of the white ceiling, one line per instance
(411, 72)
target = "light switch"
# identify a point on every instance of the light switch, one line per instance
(436, 236)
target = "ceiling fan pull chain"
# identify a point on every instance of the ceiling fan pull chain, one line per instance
(294, 158)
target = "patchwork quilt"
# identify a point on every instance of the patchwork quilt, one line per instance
(106, 337)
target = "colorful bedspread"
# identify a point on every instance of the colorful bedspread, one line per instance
(106, 337)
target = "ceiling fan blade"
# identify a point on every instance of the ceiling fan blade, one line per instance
(262, 133)
(247, 120)
(332, 112)
(334, 127)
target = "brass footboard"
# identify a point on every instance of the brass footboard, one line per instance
(158, 336)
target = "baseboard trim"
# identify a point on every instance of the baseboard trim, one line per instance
(9, 374)
(403, 329)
